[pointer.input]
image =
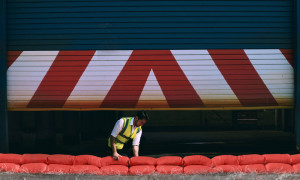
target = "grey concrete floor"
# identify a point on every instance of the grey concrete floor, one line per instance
(237, 176)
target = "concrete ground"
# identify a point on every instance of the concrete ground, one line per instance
(238, 176)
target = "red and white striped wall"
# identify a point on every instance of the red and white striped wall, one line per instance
(150, 79)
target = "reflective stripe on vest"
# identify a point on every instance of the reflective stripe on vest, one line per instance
(125, 133)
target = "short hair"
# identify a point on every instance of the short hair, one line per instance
(142, 115)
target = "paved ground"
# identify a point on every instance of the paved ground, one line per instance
(240, 176)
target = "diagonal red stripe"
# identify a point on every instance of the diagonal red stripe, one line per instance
(12, 56)
(288, 54)
(238, 85)
(51, 93)
(147, 60)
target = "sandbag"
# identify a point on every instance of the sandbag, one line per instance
(58, 169)
(197, 160)
(9, 167)
(87, 160)
(227, 169)
(225, 160)
(142, 160)
(254, 168)
(279, 168)
(197, 169)
(34, 168)
(94, 161)
(114, 170)
(170, 160)
(35, 158)
(296, 168)
(61, 159)
(278, 158)
(251, 159)
(107, 161)
(11, 158)
(169, 169)
(85, 169)
(295, 159)
(142, 170)
(81, 160)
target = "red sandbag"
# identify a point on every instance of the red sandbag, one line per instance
(295, 159)
(107, 161)
(197, 160)
(95, 161)
(254, 168)
(170, 160)
(61, 159)
(197, 169)
(296, 168)
(34, 158)
(279, 168)
(169, 169)
(11, 158)
(278, 158)
(142, 160)
(227, 169)
(225, 160)
(81, 160)
(9, 167)
(251, 159)
(58, 169)
(142, 170)
(87, 160)
(33, 168)
(85, 169)
(114, 170)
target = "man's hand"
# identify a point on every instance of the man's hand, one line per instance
(116, 156)
(135, 151)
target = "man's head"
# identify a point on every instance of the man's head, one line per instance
(141, 118)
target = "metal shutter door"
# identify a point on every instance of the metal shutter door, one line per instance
(150, 54)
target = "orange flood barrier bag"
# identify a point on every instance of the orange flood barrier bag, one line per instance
(226, 164)
(252, 163)
(169, 165)
(113, 167)
(195, 164)
(142, 165)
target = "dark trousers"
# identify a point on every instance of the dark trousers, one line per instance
(126, 151)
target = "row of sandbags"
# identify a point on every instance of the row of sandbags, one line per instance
(195, 164)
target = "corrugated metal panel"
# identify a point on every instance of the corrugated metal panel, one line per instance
(146, 25)
(151, 79)
(110, 54)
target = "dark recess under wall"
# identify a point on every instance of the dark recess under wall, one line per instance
(167, 132)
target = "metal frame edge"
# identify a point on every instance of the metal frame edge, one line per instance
(4, 147)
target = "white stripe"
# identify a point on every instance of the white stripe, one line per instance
(39, 53)
(102, 76)
(215, 72)
(26, 75)
(264, 74)
(153, 86)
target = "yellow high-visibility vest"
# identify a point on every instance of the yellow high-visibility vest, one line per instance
(125, 134)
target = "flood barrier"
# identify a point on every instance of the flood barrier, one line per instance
(142, 165)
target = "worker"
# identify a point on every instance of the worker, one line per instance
(126, 129)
